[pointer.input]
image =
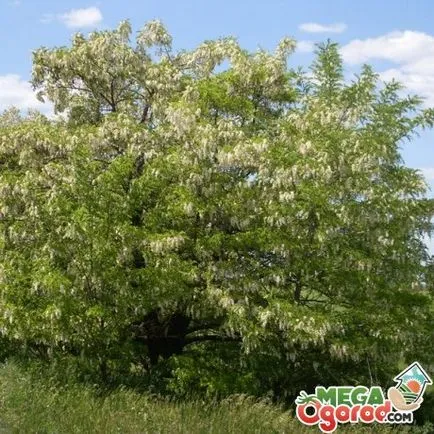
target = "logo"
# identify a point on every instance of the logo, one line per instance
(333, 405)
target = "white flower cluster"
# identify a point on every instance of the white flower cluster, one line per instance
(166, 244)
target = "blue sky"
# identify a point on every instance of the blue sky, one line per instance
(396, 37)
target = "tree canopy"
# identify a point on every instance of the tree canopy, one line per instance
(212, 210)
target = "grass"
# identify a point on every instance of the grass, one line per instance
(34, 405)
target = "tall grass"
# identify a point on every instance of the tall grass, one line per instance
(30, 404)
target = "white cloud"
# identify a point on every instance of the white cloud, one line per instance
(429, 242)
(305, 46)
(410, 52)
(321, 28)
(76, 18)
(16, 92)
(47, 18)
(87, 17)
(428, 173)
(398, 47)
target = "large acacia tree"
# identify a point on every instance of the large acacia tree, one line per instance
(215, 203)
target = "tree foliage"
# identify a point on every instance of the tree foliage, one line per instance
(206, 210)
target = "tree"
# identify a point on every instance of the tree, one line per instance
(185, 208)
